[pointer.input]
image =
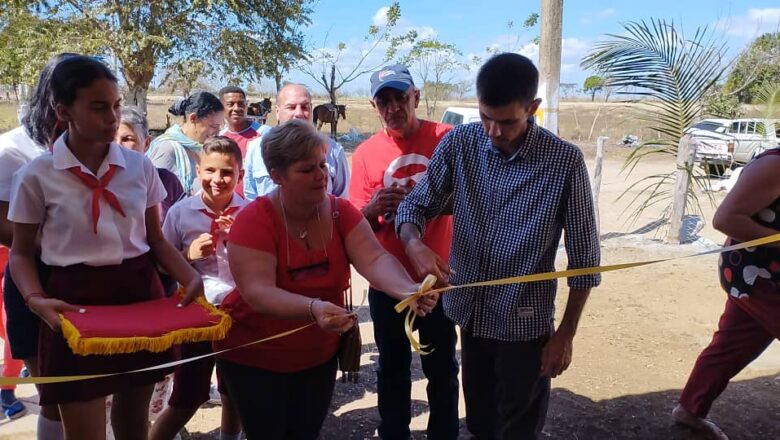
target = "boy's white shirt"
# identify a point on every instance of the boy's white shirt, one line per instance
(186, 222)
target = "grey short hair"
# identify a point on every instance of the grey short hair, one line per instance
(133, 116)
(290, 142)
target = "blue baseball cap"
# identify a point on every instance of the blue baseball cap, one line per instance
(396, 76)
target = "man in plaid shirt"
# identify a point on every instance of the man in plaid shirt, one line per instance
(514, 187)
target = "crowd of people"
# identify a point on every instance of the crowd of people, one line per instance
(265, 223)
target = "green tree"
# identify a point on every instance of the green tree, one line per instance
(435, 63)
(184, 75)
(240, 36)
(757, 65)
(722, 105)
(27, 42)
(592, 85)
(654, 60)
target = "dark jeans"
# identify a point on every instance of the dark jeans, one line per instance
(505, 396)
(394, 384)
(280, 406)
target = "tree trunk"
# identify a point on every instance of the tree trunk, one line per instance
(136, 96)
(332, 88)
(551, 13)
(278, 81)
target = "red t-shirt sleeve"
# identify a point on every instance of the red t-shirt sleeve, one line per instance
(254, 227)
(349, 214)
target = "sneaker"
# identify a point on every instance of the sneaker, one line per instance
(214, 397)
(14, 410)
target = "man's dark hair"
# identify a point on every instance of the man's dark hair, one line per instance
(231, 89)
(506, 78)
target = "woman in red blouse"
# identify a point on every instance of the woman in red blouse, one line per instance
(290, 253)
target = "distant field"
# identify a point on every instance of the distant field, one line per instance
(578, 121)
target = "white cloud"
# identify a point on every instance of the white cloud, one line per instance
(594, 16)
(751, 24)
(609, 12)
(380, 18)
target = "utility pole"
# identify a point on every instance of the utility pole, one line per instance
(550, 61)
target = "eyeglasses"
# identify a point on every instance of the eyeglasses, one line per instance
(309, 271)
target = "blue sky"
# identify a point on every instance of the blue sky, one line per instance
(473, 26)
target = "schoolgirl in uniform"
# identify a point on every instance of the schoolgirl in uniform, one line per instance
(96, 206)
(197, 226)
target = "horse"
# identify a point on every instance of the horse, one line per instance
(259, 109)
(329, 114)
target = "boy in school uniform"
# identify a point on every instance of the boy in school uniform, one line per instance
(197, 226)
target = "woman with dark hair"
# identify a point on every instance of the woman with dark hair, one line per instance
(178, 149)
(93, 206)
(19, 147)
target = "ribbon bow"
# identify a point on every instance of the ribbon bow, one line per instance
(425, 287)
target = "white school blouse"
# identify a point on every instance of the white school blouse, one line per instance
(184, 223)
(46, 193)
(16, 151)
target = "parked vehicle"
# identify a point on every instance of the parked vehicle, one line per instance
(460, 115)
(722, 144)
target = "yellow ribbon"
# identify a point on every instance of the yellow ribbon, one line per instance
(410, 316)
(425, 287)
(58, 379)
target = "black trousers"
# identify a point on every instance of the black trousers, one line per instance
(280, 406)
(506, 398)
(394, 384)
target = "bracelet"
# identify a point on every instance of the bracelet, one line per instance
(311, 312)
(29, 297)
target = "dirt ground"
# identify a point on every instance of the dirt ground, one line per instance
(638, 338)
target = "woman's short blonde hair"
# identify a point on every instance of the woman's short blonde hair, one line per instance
(291, 142)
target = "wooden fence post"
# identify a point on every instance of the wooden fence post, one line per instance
(595, 185)
(682, 181)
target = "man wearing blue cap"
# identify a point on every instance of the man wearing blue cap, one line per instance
(384, 169)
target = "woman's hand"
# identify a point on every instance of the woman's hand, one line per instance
(192, 290)
(49, 310)
(331, 317)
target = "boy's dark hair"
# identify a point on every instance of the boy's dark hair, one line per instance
(506, 78)
(223, 145)
(76, 72)
(200, 103)
(231, 89)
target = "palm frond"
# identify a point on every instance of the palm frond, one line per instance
(654, 60)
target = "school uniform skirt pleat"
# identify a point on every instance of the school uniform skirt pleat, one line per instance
(135, 279)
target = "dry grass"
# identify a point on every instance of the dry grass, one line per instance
(579, 122)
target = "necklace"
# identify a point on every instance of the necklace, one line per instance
(302, 232)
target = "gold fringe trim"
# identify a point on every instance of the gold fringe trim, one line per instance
(107, 346)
